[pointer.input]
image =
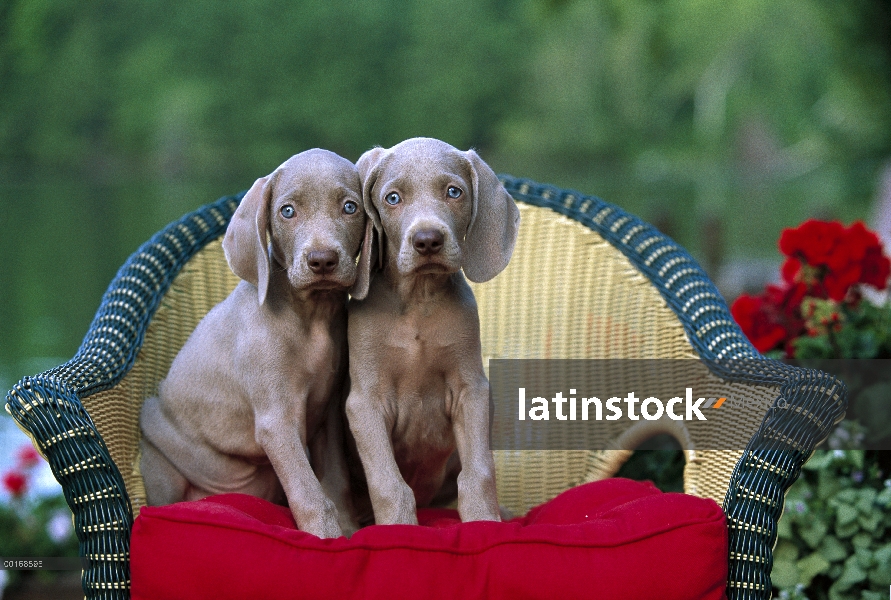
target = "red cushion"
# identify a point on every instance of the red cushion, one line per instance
(609, 539)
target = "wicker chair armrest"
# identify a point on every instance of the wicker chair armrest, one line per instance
(48, 406)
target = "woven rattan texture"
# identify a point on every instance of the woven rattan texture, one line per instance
(660, 305)
(568, 293)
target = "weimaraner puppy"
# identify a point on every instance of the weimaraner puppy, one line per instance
(253, 402)
(418, 390)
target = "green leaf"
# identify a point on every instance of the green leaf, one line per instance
(832, 549)
(880, 574)
(784, 527)
(865, 558)
(813, 534)
(861, 540)
(867, 595)
(846, 531)
(838, 594)
(883, 555)
(849, 496)
(865, 501)
(852, 574)
(871, 521)
(785, 551)
(828, 484)
(819, 461)
(784, 574)
(845, 514)
(810, 567)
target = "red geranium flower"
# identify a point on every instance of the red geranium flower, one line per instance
(837, 283)
(825, 262)
(831, 258)
(757, 323)
(857, 238)
(786, 299)
(15, 483)
(813, 241)
(790, 270)
(28, 457)
(876, 268)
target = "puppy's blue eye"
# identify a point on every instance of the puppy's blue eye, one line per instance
(393, 199)
(350, 207)
(454, 192)
(287, 211)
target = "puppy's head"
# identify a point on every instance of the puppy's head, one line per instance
(438, 209)
(306, 218)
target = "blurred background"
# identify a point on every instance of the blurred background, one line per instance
(720, 121)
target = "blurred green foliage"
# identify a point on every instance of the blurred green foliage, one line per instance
(32, 529)
(118, 116)
(833, 538)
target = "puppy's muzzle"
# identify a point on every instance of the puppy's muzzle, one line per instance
(427, 242)
(322, 262)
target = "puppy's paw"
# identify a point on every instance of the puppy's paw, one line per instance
(397, 508)
(477, 500)
(349, 525)
(322, 522)
(506, 513)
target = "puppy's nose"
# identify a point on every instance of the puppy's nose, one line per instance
(322, 262)
(427, 241)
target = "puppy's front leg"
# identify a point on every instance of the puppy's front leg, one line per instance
(280, 436)
(477, 498)
(391, 498)
(163, 483)
(329, 463)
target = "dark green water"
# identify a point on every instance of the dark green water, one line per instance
(61, 244)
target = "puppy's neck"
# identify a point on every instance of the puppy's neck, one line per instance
(418, 288)
(307, 305)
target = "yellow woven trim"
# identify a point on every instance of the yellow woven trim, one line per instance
(70, 434)
(117, 557)
(101, 585)
(94, 496)
(747, 558)
(743, 526)
(746, 586)
(93, 462)
(113, 526)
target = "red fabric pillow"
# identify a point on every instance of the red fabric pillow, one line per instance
(616, 538)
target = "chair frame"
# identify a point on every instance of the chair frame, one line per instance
(48, 406)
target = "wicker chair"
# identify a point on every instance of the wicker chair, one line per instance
(618, 289)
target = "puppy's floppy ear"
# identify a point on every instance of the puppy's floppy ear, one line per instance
(494, 224)
(246, 243)
(369, 168)
(366, 259)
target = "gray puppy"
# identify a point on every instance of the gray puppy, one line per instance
(418, 390)
(253, 401)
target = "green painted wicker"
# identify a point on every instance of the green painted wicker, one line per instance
(50, 406)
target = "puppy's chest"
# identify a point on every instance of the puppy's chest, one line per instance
(424, 340)
(422, 363)
(315, 359)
